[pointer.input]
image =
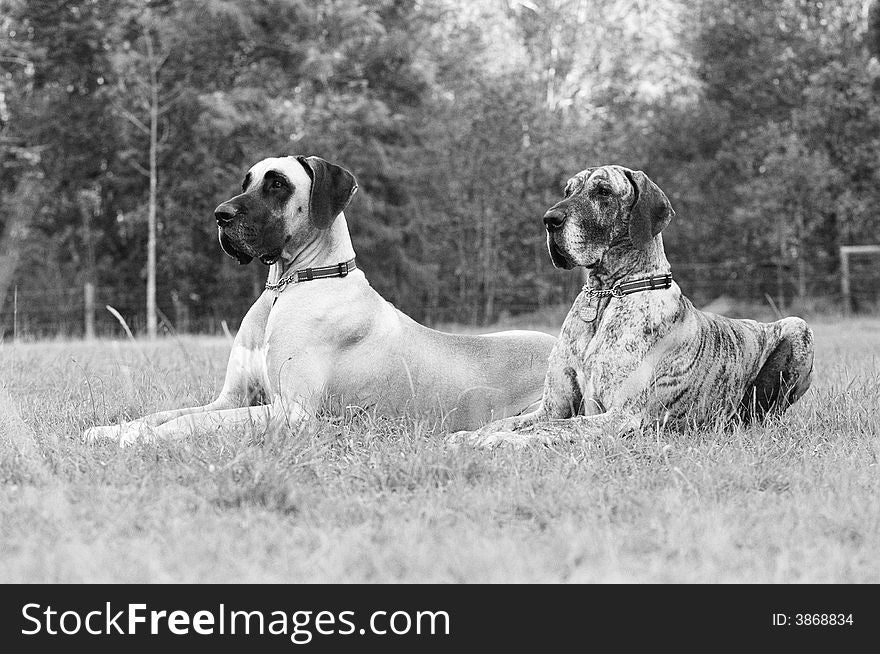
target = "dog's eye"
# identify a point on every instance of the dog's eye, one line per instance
(602, 191)
(276, 183)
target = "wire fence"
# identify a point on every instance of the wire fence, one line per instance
(727, 288)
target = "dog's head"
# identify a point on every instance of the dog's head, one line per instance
(604, 206)
(283, 201)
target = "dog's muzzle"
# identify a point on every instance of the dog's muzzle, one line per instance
(225, 214)
(554, 219)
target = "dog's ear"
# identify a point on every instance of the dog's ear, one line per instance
(226, 246)
(332, 189)
(650, 211)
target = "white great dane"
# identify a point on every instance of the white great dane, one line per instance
(319, 337)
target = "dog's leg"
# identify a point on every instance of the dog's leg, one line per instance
(509, 424)
(562, 399)
(786, 373)
(115, 432)
(550, 432)
(279, 414)
(245, 371)
(236, 419)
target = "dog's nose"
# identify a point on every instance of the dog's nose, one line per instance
(225, 214)
(554, 218)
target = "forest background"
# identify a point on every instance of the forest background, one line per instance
(461, 120)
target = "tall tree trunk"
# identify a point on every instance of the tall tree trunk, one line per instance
(151, 211)
(780, 288)
(802, 278)
(801, 262)
(490, 265)
(89, 205)
(19, 211)
(461, 267)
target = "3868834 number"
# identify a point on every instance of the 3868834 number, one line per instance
(822, 619)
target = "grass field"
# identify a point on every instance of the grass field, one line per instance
(365, 500)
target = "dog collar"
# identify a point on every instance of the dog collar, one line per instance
(633, 286)
(308, 274)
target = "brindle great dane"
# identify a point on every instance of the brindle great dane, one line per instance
(633, 349)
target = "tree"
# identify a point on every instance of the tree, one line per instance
(783, 87)
(874, 28)
(19, 181)
(55, 53)
(140, 84)
(123, 124)
(166, 53)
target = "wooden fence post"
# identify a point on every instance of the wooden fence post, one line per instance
(845, 286)
(844, 280)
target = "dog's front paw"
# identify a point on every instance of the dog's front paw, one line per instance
(101, 433)
(477, 435)
(124, 434)
(134, 432)
(472, 437)
(459, 437)
(491, 438)
(488, 441)
(514, 439)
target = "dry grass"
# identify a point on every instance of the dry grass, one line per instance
(372, 500)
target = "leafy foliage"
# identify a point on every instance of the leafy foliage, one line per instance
(461, 121)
